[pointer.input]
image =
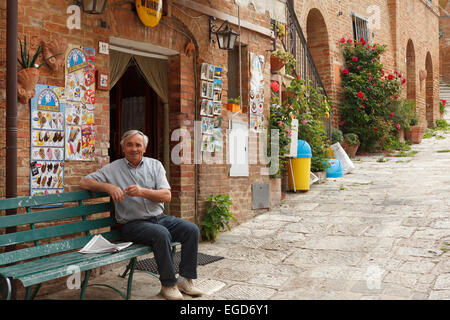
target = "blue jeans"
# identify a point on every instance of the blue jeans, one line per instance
(159, 232)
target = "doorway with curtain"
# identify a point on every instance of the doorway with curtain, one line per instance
(138, 100)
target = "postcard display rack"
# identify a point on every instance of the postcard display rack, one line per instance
(62, 122)
(211, 108)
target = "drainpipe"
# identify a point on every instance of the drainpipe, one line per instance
(11, 112)
(11, 101)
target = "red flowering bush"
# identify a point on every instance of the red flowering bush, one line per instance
(368, 94)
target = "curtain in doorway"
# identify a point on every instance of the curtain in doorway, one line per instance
(155, 72)
(118, 62)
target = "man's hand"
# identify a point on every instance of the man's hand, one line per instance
(134, 191)
(116, 193)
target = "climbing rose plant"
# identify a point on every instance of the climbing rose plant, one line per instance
(368, 94)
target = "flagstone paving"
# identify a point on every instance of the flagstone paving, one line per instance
(380, 232)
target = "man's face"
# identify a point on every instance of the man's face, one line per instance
(134, 149)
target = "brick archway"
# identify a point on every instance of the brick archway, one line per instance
(429, 91)
(410, 71)
(318, 43)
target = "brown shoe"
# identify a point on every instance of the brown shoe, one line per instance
(171, 293)
(187, 286)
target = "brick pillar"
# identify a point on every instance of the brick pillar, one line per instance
(181, 115)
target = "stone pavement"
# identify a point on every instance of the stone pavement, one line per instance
(381, 232)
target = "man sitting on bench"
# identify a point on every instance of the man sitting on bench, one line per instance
(139, 187)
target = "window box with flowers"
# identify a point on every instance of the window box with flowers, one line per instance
(234, 104)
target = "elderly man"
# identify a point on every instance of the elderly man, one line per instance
(139, 188)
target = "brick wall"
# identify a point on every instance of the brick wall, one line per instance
(47, 21)
(399, 22)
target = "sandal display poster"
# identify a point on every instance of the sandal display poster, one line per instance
(47, 140)
(256, 93)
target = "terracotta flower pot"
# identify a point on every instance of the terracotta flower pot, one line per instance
(350, 149)
(26, 84)
(276, 63)
(414, 134)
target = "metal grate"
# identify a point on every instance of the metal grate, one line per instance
(149, 264)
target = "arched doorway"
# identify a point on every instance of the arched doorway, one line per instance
(410, 71)
(318, 45)
(429, 92)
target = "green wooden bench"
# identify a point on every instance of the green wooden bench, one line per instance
(36, 258)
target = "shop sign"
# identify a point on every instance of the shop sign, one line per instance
(149, 11)
(48, 101)
(76, 60)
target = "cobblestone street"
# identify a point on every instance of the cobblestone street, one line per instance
(381, 232)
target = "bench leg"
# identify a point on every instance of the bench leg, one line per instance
(87, 274)
(30, 294)
(131, 267)
(5, 288)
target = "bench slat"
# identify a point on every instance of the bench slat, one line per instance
(55, 214)
(32, 201)
(52, 248)
(83, 262)
(55, 231)
(35, 266)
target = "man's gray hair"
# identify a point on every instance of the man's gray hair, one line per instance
(131, 133)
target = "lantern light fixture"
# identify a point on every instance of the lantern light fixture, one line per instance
(92, 6)
(226, 37)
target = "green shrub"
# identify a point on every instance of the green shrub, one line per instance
(368, 94)
(336, 136)
(351, 139)
(310, 106)
(217, 217)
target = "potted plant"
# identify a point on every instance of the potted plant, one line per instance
(336, 136)
(351, 144)
(28, 77)
(414, 134)
(234, 104)
(217, 217)
(281, 30)
(279, 59)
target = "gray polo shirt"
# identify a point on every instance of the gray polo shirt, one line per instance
(149, 174)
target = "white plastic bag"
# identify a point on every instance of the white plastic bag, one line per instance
(341, 155)
(312, 178)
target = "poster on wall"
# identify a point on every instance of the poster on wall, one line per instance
(47, 140)
(80, 103)
(256, 92)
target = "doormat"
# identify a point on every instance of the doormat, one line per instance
(150, 263)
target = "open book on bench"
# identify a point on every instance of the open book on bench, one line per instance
(98, 244)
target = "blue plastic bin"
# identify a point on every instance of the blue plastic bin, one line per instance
(335, 169)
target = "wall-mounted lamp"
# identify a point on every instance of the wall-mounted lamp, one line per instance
(92, 6)
(226, 37)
